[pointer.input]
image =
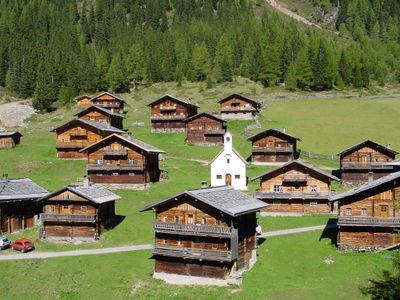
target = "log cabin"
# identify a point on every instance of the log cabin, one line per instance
(208, 232)
(205, 129)
(273, 146)
(19, 208)
(122, 162)
(168, 114)
(100, 114)
(357, 161)
(237, 106)
(369, 215)
(296, 187)
(9, 139)
(77, 211)
(109, 101)
(78, 134)
(84, 101)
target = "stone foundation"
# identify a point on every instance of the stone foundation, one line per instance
(196, 280)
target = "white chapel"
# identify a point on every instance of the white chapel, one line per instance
(229, 167)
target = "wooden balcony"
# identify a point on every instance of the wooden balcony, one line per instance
(214, 132)
(238, 109)
(193, 253)
(188, 229)
(114, 167)
(115, 152)
(68, 218)
(72, 145)
(168, 117)
(366, 166)
(78, 132)
(110, 105)
(368, 221)
(257, 149)
(293, 195)
(300, 178)
(167, 108)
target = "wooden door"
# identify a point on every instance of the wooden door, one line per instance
(228, 179)
(383, 211)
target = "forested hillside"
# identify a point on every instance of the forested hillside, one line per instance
(52, 50)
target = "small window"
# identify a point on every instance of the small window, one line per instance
(203, 221)
(52, 208)
(237, 176)
(132, 162)
(384, 208)
(66, 206)
(115, 174)
(228, 160)
(214, 246)
(179, 242)
(218, 222)
(219, 176)
(164, 219)
(228, 139)
(131, 174)
(277, 188)
(164, 241)
(313, 203)
(349, 211)
(176, 219)
(276, 202)
(313, 189)
(363, 211)
(83, 208)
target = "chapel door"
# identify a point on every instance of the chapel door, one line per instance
(383, 211)
(228, 179)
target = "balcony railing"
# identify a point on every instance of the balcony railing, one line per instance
(116, 152)
(214, 132)
(168, 117)
(238, 108)
(77, 132)
(193, 253)
(72, 145)
(188, 229)
(293, 195)
(114, 167)
(369, 221)
(112, 105)
(67, 217)
(366, 166)
(295, 178)
(273, 149)
(167, 108)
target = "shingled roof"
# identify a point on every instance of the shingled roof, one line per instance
(20, 189)
(205, 114)
(93, 124)
(99, 108)
(273, 132)
(185, 102)
(92, 192)
(109, 94)
(256, 103)
(366, 187)
(9, 133)
(224, 198)
(142, 145)
(369, 143)
(298, 162)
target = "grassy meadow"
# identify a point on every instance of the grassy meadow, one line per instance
(289, 267)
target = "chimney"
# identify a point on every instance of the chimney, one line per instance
(370, 177)
(389, 146)
(204, 185)
(86, 182)
(284, 130)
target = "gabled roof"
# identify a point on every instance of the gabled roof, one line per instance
(93, 124)
(292, 163)
(101, 109)
(224, 198)
(234, 151)
(273, 132)
(142, 145)
(9, 133)
(371, 144)
(83, 97)
(366, 187)
(20, 189)
(185, 102)
(256, 103)
(205, 114)
(109, 94)
(92, 192)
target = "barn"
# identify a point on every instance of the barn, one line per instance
(205, 129)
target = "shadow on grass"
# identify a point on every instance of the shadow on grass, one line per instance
(330, 231)
(260, 241)
(116, 221)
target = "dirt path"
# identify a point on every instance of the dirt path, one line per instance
(291, 14)
(14, 114)
(205, 162)
(42, 255)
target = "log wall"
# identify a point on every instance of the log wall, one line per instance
(273, 142)
(196, 130)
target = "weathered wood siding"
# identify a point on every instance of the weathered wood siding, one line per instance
(109, 102)
(102, 117)
(367, 238)
(274, 145)
(199, 131)
(237, 104)
(18, 215)
(7, 142)
(84, 102)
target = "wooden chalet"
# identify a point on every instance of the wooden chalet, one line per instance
(205, 129)
(78, 211)
(238, 106)
(118, 160)
(357, 161)
(9, 139)
(109, 101)
(296, 187)
(369, 215)
(168, 114)
(100, 114)
(209, 232)
(84, 101)
(273, 146)
(19, 208)
(78, 134)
